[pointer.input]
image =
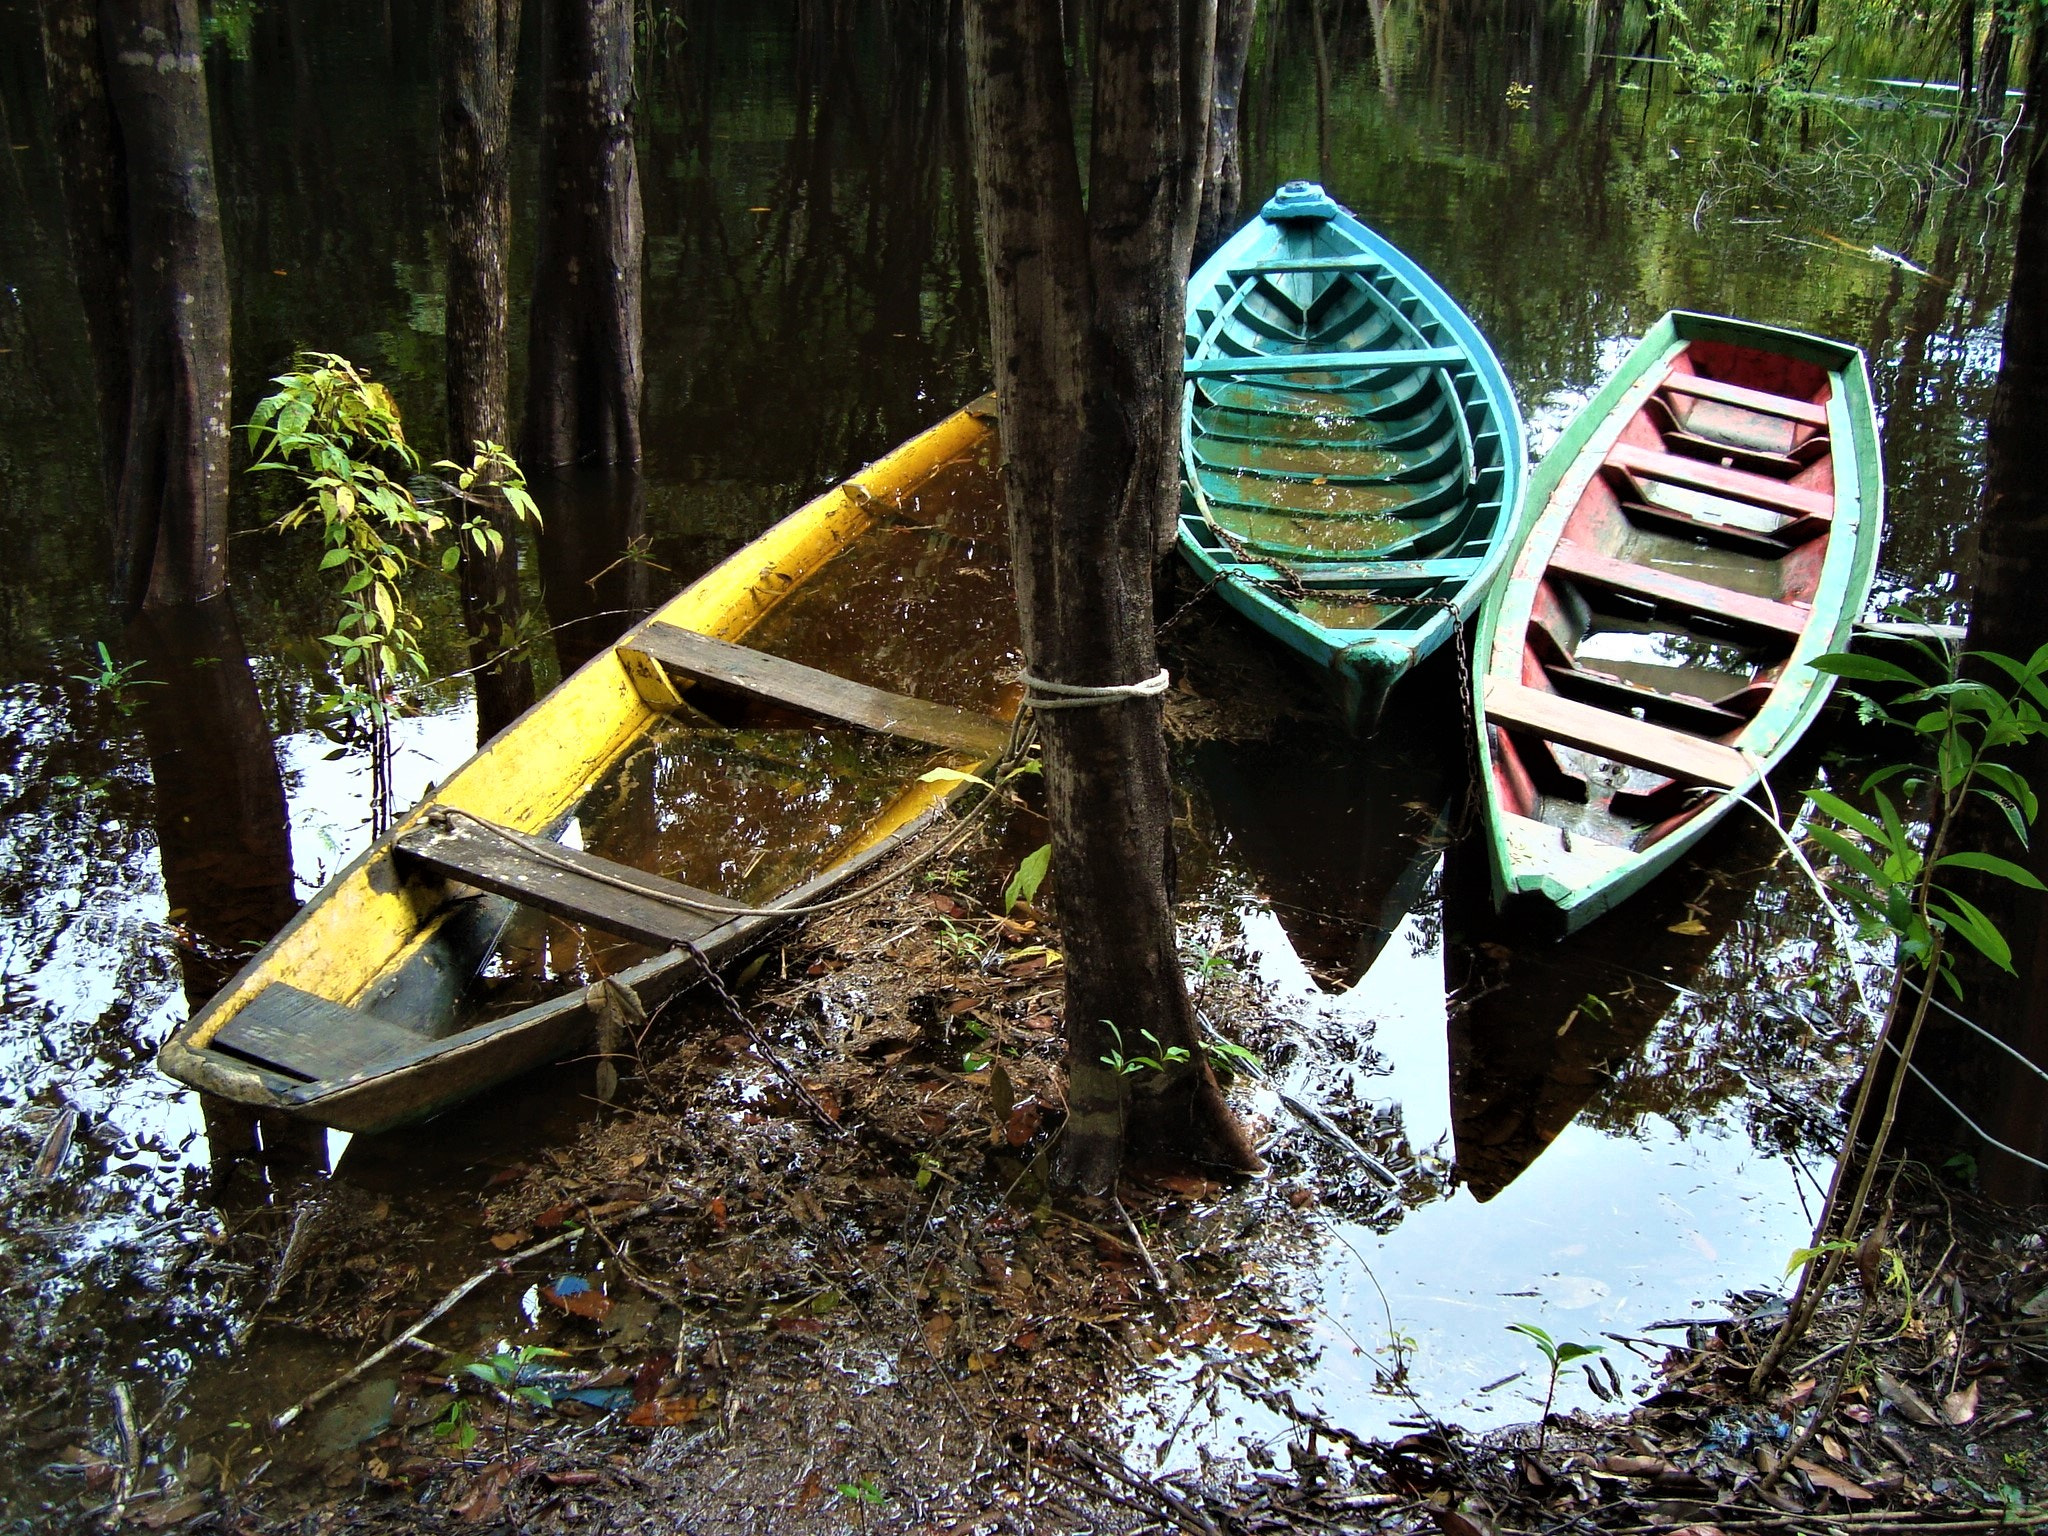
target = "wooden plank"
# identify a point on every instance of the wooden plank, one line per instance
(572, 885)
(310, 1037)
(1366, 573)
(1620, 737)
(723, 666)
(1323, 362)
(1681, 592)
(1358, 263)
(1760, 401)
(1736, 484)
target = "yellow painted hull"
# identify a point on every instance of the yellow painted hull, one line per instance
(370, 918)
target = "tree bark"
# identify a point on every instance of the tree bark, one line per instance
(1086, 301)
(479, 59)
(136, 150)
(222, 828)
(583, 362)
(1223, 170)
(2005, 616)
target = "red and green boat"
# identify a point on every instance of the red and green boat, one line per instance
(1704, 529)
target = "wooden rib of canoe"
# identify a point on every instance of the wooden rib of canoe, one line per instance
(361, 1014)
(1705, 527)
(1352, 455)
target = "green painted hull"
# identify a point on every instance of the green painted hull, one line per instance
(1352, 455)
(1574, 882)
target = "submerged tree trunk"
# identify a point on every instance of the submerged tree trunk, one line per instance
(583, 360)
(2012, 557)
(1223, 173)
(1086, 299)
(136, 151)
(479, 57)
(1994, 65)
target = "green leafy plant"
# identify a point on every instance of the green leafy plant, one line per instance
(1127, 1066)
(338, 434)
(863, 1492)
(960, 942)
(456, 1427)
(1891, 874)
(114, 678)
(1557, 1356)
(1232, 1056)
(1030, 875)
(506, 1371)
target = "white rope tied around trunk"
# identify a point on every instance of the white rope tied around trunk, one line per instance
(1076, 696)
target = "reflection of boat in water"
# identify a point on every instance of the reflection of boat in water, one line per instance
(666, 797)
(1539, 1029)
(1340, 840)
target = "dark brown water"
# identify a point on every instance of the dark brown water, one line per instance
(1639, 1107)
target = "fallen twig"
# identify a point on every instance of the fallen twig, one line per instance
(1144, 1253)
(1110, 1465)
(441, 1308)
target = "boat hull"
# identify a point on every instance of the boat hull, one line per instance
(379, 940)
(1688, 547)
(1352, 454)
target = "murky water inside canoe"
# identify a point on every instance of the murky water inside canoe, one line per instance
(814, 297)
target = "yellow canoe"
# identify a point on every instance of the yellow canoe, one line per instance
(385, 999)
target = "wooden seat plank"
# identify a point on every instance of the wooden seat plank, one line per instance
(1758, 400)
(1323, 362)
(1368, 573)
(1737, 484)
(300, 1035)
(723, 666)
(1623, 738)
(573, 885)
(1669, 589)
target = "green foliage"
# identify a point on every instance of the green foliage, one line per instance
(114, 678)
(1029, 877)
(1229, 1054)
(864, 1491)
(505, 1369)
(338, 434)
(455, 1427)
(1557, 1356)
(1894, 867)
(1128, 1066)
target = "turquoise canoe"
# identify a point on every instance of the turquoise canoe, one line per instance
(1706, 526)
(1351, 454)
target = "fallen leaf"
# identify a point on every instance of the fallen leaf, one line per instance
(553, 1216)
(812, 1489)
(798, 1325)
(716, 1211)
(944, 905)
(505, 1242)
(2038, 1307)
(162, 1516)
(578, 1298)
(1636, 1466)
(1960, 1407)
(572, 1479)
(1909, 1403)
(1692, 928)
(1023, 1123)
(938, 1328)
(1834, 1482)
(1249, 1343)
(664, 1412)
(1191, 1185)
(1301, 1197)
(506, 1175)
(1029, 1339)
(1456, 1523)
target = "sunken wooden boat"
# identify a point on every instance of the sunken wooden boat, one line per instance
(671, 793)
(1352, 455)
(1704, 528)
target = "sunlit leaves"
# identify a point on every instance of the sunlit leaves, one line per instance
(1891, 859)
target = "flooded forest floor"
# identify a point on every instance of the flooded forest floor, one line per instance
(808, 1275)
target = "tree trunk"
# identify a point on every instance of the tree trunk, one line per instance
(2012, 555)
(1994, 65)
(1086, 301)
(136, 150)
(95, 184)
(583, 361)
(222, 829)
(479, 58)
(1223, 174)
